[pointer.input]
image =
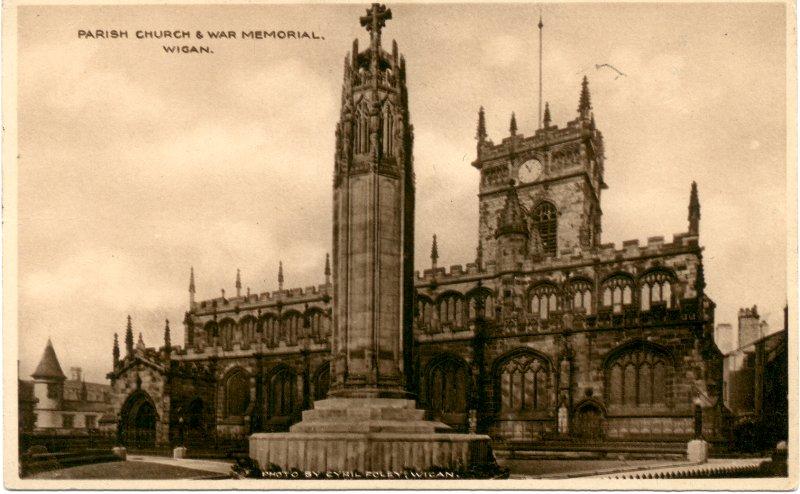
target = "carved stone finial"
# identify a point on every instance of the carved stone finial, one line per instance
(375, 20)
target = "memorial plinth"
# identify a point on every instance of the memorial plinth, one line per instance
(368, 434)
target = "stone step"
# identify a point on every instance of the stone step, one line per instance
(358, 414)
(371, 426)
(345, 403)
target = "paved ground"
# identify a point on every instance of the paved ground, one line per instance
(539, 468)
(125, 470)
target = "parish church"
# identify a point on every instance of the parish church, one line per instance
(547, 336)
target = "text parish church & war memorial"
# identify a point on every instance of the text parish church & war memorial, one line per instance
(548, 337)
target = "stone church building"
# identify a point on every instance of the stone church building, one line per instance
(548, 335)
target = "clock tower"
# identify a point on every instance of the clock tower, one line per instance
(557, 175)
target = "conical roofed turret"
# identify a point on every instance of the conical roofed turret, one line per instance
(49, 368)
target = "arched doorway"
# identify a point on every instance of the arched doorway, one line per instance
(138, 421)
(322, 382)
(588, 422)
(447, 391)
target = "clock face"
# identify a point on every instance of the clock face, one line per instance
(530, 170)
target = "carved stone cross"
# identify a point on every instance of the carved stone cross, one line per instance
(376, 18)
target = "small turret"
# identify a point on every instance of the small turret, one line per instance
(115, 352)
(694, 211)
(512, 232)
(129, 337)
(434, 253)
(238, 283)
(48, 382)
(280, 275)
(512, 217)
(585, 104)
(140, 343)
(512, 127)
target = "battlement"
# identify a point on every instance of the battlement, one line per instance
(549, 136)
(456, 271)
(290, 295)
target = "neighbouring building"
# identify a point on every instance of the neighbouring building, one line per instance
(548, 334)
(55, 404)
(756, 377)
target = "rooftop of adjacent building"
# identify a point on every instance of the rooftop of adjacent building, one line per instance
(77, 391)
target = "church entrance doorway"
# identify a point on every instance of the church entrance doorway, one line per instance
(447, 392)
(138, 422)
(588, 423)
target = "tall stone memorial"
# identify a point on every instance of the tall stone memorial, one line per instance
(369, 422)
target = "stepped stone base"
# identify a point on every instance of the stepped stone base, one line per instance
(368, 434)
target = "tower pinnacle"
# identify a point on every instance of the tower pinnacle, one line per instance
(129, 337)
(694, 211)
(585, 104)
(513, 126)
(238, 283)
(434, 252)
(327, 269)
(547, 120)
(115, 351)
(191, 287)
(280, 275)
(167, 340)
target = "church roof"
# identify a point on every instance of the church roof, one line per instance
(48, 367)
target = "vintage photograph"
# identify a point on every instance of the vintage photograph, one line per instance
(287, 246)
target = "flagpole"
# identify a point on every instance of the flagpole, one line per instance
(540, 69)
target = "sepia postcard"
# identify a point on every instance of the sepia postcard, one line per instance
(400, 245)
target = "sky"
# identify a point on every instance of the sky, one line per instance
(135, 164)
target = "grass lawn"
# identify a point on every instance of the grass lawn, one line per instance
(124, 470)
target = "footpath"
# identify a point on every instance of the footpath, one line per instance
(218, 467)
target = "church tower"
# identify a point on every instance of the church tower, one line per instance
(557, 174)
(373, 222)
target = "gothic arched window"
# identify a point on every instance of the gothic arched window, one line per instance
(318, 325)
(237, 393)
(656, 288)
(424, 313)
(486, 298)
(292, 327)
(617, 293)
(247, 327)
(451, 310)
(543, 301)
(281, 393)
(638, 377)
(545, 222)
(581, 296)
(524, 382)
(212, 331)
(226, 333)
(271, 328)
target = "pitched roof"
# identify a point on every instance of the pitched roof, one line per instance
(48, 367)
